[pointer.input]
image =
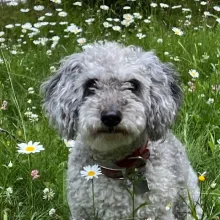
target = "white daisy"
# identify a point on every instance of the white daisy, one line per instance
(126, 7)
(24, 10)
(116, 19)
(31, 90)
(52, 69)
(9, 190)
(90, 20)
(128, 17)
(9, 26)
(14, 52)
(213, 185)
(154, 5)
(40, 19)
(186, 9)
(2, 39)
(12, 3)
(81, 41)
(210, 101)
(147, 21)
(126, 23)
(77, 3)
(38, 7)
(107, 24)
(73, 29)
(159, 40)
(55, 38)
(26, 26)
(140, 35)
(193, 73)
(104, 7)
(217, 8)
(176, 6)
(207, 13)
(116, 28)
(52, 212)
(177, 31)
(63, 22)
(203, 3)
(91, 171)
(56, 1)
(34, 117)
(137, 15)
(62, 14)
(48, 194)
(10, 164)
(30, 147)
(48, 14)
(69, 143)
(162, 5)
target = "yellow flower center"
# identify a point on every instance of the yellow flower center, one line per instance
(201, 178)
(30, 148)
(91, 173)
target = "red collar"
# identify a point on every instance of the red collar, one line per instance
(136, 160)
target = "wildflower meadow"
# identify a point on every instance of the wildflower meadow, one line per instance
(36, 34)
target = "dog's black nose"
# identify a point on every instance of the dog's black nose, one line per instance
(111, 118)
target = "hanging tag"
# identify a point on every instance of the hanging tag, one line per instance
(141, 185)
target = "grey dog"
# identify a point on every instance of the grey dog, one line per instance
(118, 102)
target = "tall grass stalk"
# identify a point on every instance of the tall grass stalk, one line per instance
(8, 68)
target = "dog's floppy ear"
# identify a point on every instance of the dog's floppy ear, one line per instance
(164, 95)
(61, 96)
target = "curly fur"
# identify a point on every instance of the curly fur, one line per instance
(147, 113)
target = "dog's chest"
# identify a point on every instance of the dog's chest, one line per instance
(109, 194)
(114, 197)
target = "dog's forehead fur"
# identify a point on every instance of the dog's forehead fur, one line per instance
(113, 64)
(113, 60)
(111, 54)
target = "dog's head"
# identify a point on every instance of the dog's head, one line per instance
(111, 94)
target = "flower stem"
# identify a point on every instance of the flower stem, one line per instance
(31, 188)
(133, 205)
(93, 199)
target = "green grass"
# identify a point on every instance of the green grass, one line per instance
(197, 124)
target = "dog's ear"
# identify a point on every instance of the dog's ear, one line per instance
(61, 96)
(163, 96)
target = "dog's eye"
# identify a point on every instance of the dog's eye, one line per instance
(133, 85)
(90, 87)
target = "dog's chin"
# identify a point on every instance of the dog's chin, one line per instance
(110, 132)
(109, 139)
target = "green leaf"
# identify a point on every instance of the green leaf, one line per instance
(140, 206)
